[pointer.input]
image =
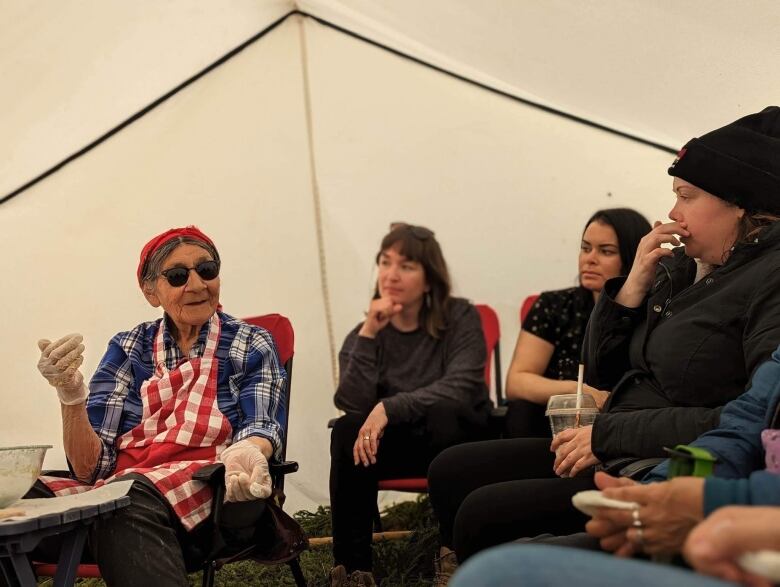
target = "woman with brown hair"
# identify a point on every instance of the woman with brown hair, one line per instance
(411, 384)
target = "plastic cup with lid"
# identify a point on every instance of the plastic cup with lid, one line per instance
(563, 413)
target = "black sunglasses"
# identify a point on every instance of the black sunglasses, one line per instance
(178, 276)
(418, 232)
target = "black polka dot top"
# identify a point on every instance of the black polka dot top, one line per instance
(560, 317)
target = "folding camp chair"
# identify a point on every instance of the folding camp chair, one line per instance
(492, 334)
(281, 330)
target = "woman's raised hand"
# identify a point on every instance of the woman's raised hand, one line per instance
(59, 364)
(649, 252)
(378, 316)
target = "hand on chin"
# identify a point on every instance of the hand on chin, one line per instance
(394, 299)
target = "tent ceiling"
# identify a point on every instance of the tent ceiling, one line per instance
(665, 70)
(662, 70)
(73, 70)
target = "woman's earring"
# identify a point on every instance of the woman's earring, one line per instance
(428, 300)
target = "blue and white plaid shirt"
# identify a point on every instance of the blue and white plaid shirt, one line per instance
(250, 383)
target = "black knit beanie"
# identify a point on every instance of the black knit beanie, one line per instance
(739, 163)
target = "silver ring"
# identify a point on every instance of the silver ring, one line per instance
(366, 438)
(637, 523)
(639, 537)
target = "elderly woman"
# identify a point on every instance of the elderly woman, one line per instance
(674, 341)
(170, 396)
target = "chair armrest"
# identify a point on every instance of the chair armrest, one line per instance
(640, 468)
(56, 473)
(215, 473)
(284, 468)
(211, 474)
(615, 466)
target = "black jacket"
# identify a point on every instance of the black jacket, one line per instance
(690, 348)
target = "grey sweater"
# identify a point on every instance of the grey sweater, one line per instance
(409, 371)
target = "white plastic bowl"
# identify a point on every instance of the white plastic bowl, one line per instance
(20, 466)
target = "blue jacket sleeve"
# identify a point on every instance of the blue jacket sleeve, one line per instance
(736, 442)
(261, 386)
(106, 404)
(761, 488)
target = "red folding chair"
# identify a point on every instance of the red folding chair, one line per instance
(492, 333)
(526, 306)
(491, 330)
(281, 329)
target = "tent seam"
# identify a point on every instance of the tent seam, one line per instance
(315, 188)
(148, 108)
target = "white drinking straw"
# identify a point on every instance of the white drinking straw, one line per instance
(580, 377)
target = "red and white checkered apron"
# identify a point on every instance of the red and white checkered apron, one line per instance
(181, 430)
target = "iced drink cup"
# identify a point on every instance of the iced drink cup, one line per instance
(563, 413)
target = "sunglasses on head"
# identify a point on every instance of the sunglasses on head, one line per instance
(178, 276)
(418, 232)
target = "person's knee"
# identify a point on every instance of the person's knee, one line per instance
(122, 543)
(443, 472)
(503, 565)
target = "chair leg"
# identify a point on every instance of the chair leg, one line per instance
(208, 574)
(295, 567)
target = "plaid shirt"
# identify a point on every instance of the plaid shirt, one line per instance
(249, 385)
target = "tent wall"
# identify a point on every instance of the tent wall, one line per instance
(506, 188)
(73, 70)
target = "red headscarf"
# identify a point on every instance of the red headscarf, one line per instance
(158, 241)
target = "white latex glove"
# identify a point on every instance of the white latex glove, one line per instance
(59, 364)
(246, 472)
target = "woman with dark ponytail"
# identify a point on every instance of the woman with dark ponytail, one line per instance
(550, 343)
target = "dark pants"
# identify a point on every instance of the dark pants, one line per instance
(492, 492)
(145, 544)
(404, 451)
(580, 540)
(526, 419)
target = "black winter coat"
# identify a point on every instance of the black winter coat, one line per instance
(674, 361)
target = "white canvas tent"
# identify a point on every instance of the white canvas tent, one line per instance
(501, 125)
